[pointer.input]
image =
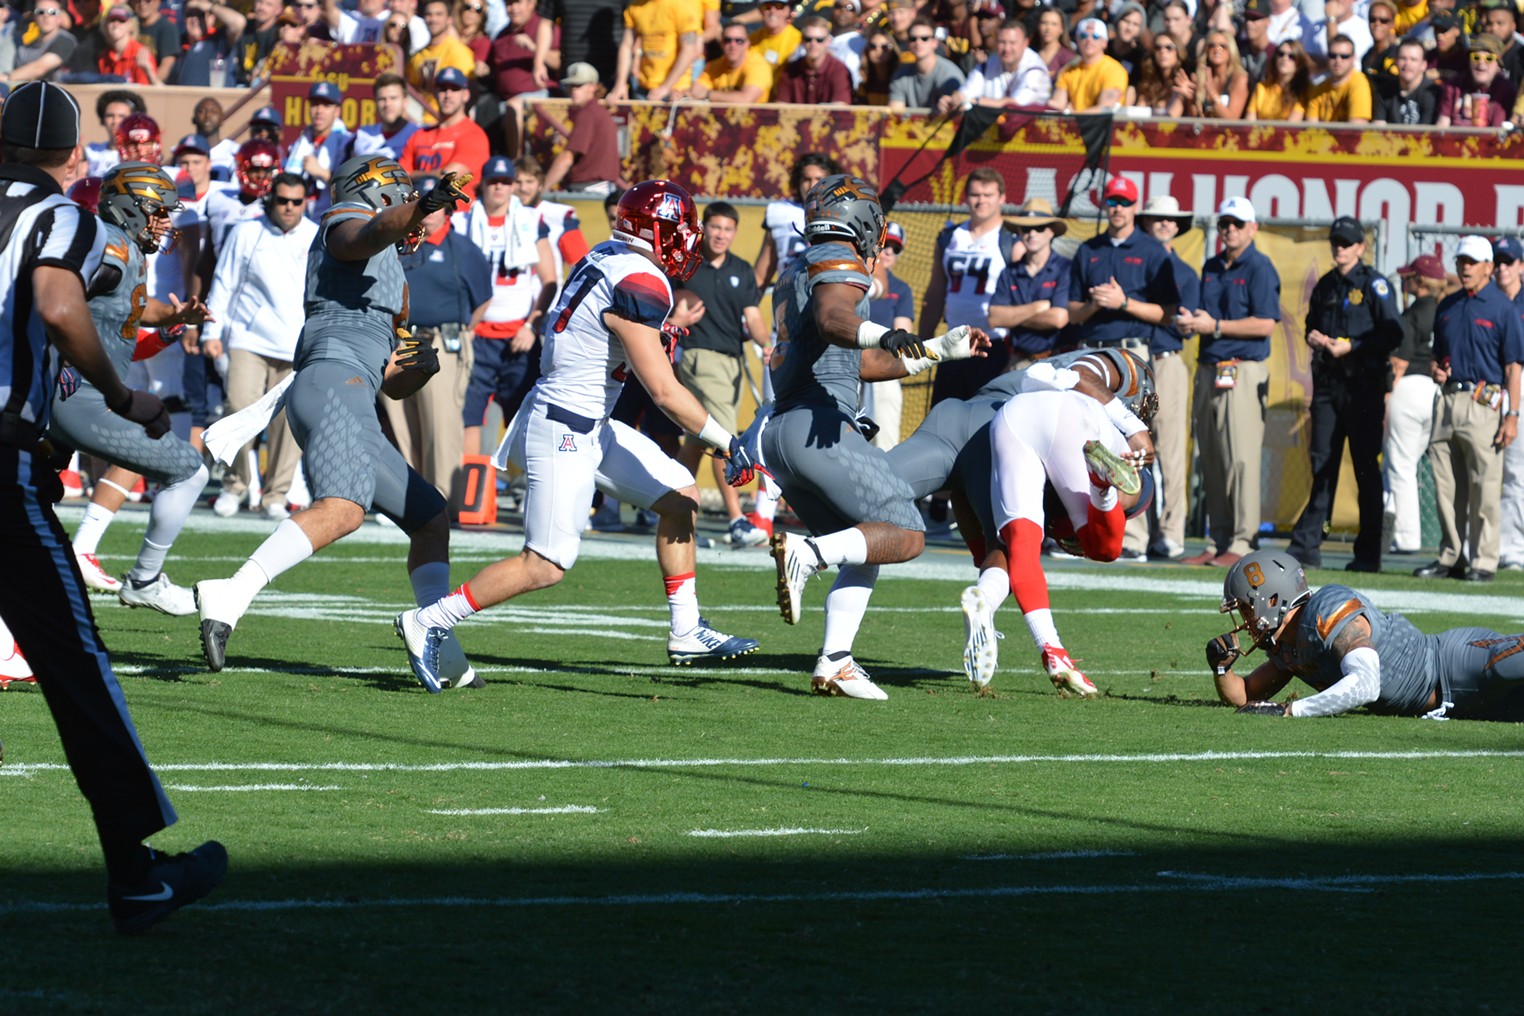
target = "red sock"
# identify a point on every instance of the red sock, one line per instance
(1023, 541)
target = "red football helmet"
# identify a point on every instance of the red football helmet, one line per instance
(138, 139)
(86, 192)
(258, 161)
(659, 216)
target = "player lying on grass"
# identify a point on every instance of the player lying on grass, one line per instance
(1337, 641)
(605, 325)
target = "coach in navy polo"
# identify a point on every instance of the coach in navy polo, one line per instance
(1478, 352)
(1031, 297)
(1240, 305)
(1122, 283)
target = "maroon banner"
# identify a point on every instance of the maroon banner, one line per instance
(353, 69)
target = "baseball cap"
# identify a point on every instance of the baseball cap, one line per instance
(1256, 10)
(1127, 9)
(895, 235)
(854, 4)
(193, 143)
(1444, 21)
(1425, 266)
(499, 167)
(580, 74)
(1506, 247)
(325, 91)
(288, 16)
(1236, 208)
(1476, 248)
(1121, 187)
(40, 115)
(1347, 230)
(119, 13)
(1095, 26)
(450, 77)
(269, 115)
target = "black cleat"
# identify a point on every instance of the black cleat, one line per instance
(173, 881)
(214, 643)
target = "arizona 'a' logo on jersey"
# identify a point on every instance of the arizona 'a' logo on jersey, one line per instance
(568, 443)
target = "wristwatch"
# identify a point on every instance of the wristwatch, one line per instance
(1217, 328)
(1512, 412)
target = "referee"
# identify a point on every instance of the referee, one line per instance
(48, 249)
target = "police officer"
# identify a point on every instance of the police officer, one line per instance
(52, 248)
(1240, 305)
(1122, 284)
(1352, 326)
(1478, 357)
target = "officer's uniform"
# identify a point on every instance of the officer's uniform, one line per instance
(1348, 400)
(1476, 337)
(1232, 387)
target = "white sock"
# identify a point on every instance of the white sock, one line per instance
(431, 582)
(682, 602)
(91, 528)
(995, 584)
(449, 610)
(846, 604)
(848, 546)
(286, 548)
(1044, 631)
(1104, 498)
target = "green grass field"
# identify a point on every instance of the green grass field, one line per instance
(597, 831)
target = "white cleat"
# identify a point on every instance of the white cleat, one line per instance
(845, 678)
(980, 654)
(1111, 469)
(455, 671)
(227, 504)
(423, 649)
(221, 605)
(96, 578)
(160, 594)
(1064, 674)
(796, 562)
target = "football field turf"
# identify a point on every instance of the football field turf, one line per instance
(597, 831)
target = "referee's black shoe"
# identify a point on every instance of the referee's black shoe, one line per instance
(173, 880)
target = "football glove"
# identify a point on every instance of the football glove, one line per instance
(446, 194)
(903, 345)
(1262, 709)
(954, 344)
(1222, 651)
(739, 468)
(68, 382)
(419, 356)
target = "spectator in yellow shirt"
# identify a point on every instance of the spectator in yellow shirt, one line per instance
(1345, 95)
(1409, 13)
(1093, 81)
(444, 49)
(777, 40)
(668, 34)
(738, 76)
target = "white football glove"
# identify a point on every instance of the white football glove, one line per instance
(954, 344)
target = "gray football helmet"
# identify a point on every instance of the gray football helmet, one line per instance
(131, 195)
(373, 180)
(1138, 390)
(846, 208)
(1263, 587)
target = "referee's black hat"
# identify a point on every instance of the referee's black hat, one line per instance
(40, 115)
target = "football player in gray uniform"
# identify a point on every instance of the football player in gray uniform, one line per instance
(1337, 641)
(861, 514)
(135, 202)
(355, 344)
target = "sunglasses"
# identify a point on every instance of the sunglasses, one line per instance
(1381, 21)
(1217, 45)
(47, 11)
(288, 202)
(473, 7)
(1166, 49)
(734, 40)
(1096, 36)
(1119, 203)
(1340, 244)
(1503, 260)
(1285, 54)
(817, 38)
(876, 46)
(922, 38)
(1475, 57)
(1035, 229)
(1341, 56)
(1226, 224)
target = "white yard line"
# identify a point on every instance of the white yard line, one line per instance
(234, 788)
(722, 834)
(568, 809)
(1053, 855)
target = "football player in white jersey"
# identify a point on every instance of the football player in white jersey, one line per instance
(567, 244)
(605, 325)
(256, 165)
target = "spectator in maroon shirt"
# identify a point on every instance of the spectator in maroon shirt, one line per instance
(1448, 59)
(589, 162)
(817, 77)
(1458, 107)
(510, 65)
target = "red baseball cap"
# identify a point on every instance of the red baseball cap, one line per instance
(1121, 187)
(1425, 266)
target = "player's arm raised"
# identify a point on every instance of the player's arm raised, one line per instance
(361, 240)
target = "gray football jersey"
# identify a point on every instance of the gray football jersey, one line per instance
(352, 306)
(813, 372)
(118, 311)
(1409, 671)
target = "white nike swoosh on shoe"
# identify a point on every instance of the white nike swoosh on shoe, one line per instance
(166, 893)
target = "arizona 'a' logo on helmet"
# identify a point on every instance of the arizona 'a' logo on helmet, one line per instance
(373, 180)
(258, 161)
(846, 208)
(137, 198)
(138, 139)
(660, 217)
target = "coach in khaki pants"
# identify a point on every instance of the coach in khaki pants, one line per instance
(449, 286)
(1478, 351)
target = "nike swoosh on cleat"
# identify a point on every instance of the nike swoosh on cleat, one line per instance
(166, 893)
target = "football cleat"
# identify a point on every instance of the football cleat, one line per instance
(704, 643)
(13, 665)
(73, 483)
(160, 594)
(455, 671)
(758, 522)
(980, 654)
(1064, 674)
(139, 491)
(1107, 468)
(96, 578)
(793, 558)
(845, 678)
(744, 534)
(173, 881)
(423, 649)
(227, 504)
(220, 605)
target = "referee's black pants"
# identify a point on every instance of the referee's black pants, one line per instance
(1351, 407)
(47, 609)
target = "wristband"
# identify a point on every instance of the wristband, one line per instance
(1124, 419)
(125, 404)
(1512, 412)
(869, 335)
(713, 435)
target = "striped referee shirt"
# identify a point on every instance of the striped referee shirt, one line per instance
(38, 226)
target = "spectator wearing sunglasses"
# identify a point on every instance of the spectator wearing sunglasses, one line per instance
(1483, 98)
(1093, 81)
(847, 40)
(881, 59)
(1380, 61)
(1344, 96)
(1340, 19)
(738, 75)
(929, 77)
(48, 53)
(1283, 89)
(1352, 327)
(817, 77)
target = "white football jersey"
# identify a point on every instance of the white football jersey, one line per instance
(784, 222)
(971, 266)
(559, 219)
(583, 363)
(224, 210)
(511, 244)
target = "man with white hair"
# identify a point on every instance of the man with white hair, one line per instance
(1014, 75)
(1093, 81)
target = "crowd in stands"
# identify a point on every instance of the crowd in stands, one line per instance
(1409, 62)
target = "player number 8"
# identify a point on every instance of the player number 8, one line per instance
(1255, 575)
